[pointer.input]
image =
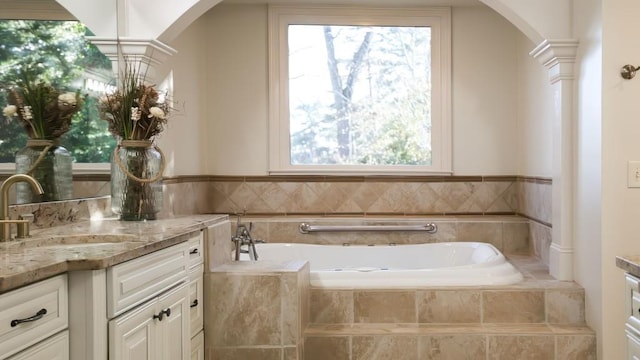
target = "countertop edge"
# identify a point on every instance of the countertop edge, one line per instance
(12, 279)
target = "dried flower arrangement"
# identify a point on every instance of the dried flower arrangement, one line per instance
(44, 111)
(136, 114)
(134, 110)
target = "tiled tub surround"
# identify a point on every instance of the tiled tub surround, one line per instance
(510, 234)
(257, 310)
(267, 311)
(539, 318)
(529, 197)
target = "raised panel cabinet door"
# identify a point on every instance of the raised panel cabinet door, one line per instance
(633, 347)
(197, 346)
(53, 348)
(174, 333)
(196, 305)
(133, 336)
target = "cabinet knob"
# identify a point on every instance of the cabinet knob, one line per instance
(37, 316)
(193, 251)
(162, 313)
(194, 303)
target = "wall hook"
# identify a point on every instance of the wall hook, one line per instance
(628, 71)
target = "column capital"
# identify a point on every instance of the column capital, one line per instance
(143, 54)
(558, 56)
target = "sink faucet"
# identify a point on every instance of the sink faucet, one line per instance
(243, 237)
(5, 220)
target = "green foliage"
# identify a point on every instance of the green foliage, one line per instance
(58, 53)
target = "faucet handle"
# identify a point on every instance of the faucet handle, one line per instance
(22, 228)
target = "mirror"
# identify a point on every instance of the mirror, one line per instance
(46, 40)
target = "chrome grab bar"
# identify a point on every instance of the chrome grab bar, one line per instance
(307, 228)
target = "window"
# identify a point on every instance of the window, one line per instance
(362, 91)
(57, 52)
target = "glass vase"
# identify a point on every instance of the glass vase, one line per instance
(51, 165)
(136, 180)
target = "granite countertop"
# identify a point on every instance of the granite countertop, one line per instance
(630, 264)
(91, 245)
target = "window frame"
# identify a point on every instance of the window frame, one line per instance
(281, 16)
(41, 10)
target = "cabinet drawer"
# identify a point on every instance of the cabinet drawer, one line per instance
(54, 348)
(32, 313)
(196, 250)
(138, 280)
(196, 313)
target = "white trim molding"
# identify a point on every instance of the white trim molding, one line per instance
(558, 56)
(281, 16)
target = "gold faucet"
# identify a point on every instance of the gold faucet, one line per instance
(5, 220)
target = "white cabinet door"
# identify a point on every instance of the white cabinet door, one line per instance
(133, 336)
(173, 329)
(633, 347)
(156, 330)
(196, 304)
(53, 348)
(197, 346)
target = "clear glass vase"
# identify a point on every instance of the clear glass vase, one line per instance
(136, 180)
(51, 165)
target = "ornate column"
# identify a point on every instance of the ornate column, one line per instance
(558, 56)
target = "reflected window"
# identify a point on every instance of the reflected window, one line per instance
(58, 53)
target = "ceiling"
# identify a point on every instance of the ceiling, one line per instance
(365, 2)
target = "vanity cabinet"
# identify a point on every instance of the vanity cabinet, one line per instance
(140, 309)
(155, 330)
(34, 320)
(632, 325)
(196, 300)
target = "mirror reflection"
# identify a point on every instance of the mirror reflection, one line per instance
(51, 79)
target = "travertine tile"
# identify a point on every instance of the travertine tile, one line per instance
(452, 347)
(534, 347)
(516, 238)
(244, 310)
(565, 306)
(384, 306)
(217, 245)
(327, 347)
(576, 347)
(331, 306)
(291, 309)
(292, 353)
(541, 240)
(488, 232)
(246, 354)
(452, 196)
(448, 306)
(384, 347)
(304, 287)
(513, 306)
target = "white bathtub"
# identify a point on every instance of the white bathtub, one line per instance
(399, 266)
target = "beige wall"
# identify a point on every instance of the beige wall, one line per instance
(233, 106)
(620, 129)
(535, 113)
(588, 240)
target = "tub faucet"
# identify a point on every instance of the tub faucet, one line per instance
(243, 237)
(5, 220)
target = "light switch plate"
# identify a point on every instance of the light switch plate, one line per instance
(633, 174)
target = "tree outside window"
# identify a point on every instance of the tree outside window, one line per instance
(359, 90)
